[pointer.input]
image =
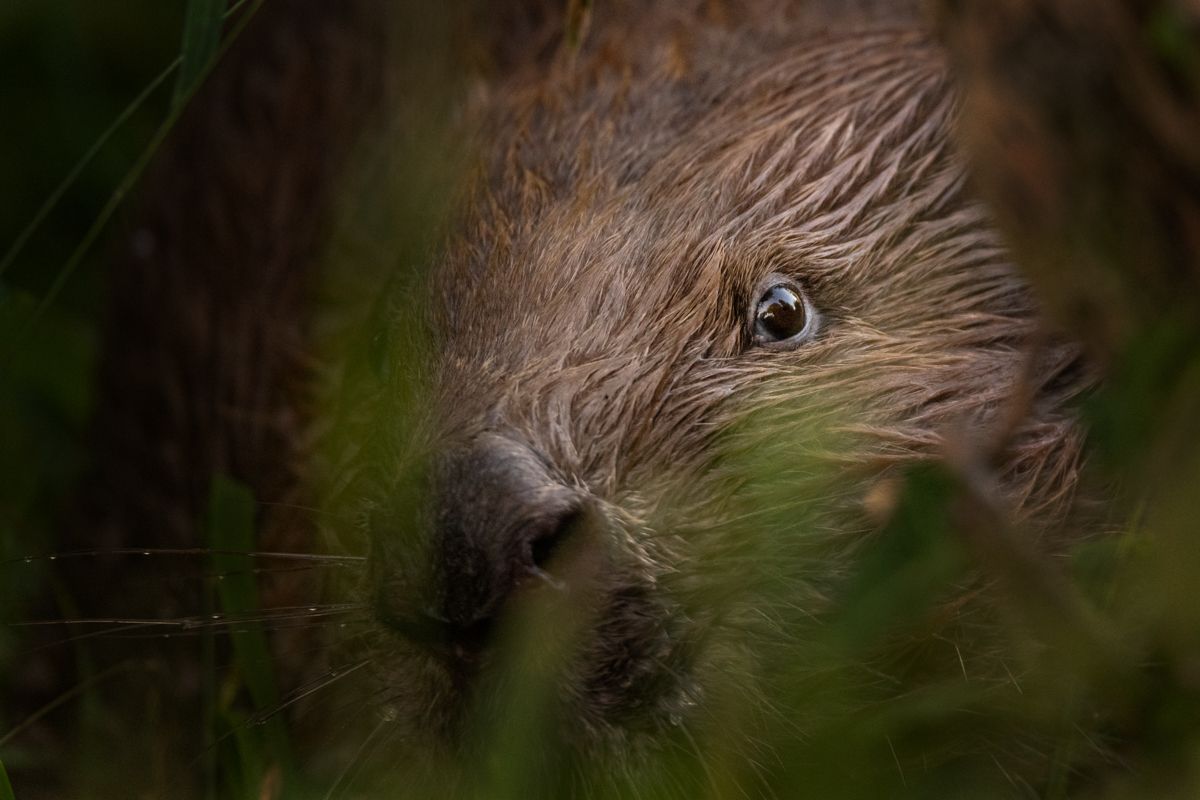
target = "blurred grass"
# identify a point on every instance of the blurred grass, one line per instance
(67, 69)
(201, 39)
(249, 749)
(199, 56)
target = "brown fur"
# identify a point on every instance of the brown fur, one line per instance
(592, 306)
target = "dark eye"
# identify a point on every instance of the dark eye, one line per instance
(782, 315)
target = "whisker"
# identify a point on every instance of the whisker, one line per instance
(200, 575)
(308, 650)
(187, 626)
(356, 761)
(264, 716)
(229, 631)
(203, 576)
(366, 700)
(316, 685)
(265, 571)
(310, 509)
(319, 558)
(81, 637)
(63, 698)
(260, 615)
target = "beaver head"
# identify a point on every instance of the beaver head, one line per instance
(711, 285)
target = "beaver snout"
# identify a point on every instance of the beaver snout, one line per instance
(501, 519)
(500, 522)
(515, 571)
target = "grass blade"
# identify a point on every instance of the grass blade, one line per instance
(6, 792)
(114, 201)
(231, 526)
(201, 38)
(59, 191)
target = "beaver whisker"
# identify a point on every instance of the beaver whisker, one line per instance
(355, 763)
(208, 620)
(320, 558)
(328, 679)
(263, 716)
(303, 624)
(178, 627)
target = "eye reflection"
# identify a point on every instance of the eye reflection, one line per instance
(781, 314)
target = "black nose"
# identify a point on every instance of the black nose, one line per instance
(500, 519)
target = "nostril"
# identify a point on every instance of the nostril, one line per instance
(547, 544)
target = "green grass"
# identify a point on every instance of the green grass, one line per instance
(201, 41)
(200, 50)
(253, 746)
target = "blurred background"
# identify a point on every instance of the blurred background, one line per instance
(70, 70)
(169, 228)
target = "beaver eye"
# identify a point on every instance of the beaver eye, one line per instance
(782, 316)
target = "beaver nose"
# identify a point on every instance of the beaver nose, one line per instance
(500, 519)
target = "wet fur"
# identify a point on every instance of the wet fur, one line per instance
(592, 305)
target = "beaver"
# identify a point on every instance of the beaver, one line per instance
(718, 282)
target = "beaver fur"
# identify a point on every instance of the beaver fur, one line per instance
(590, 308)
